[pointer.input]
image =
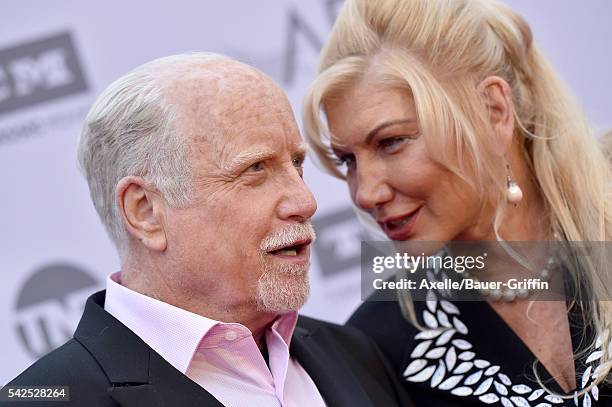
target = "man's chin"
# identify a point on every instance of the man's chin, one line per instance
(282, 291)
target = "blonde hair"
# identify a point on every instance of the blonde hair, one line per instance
(606, 144)
(440, 51)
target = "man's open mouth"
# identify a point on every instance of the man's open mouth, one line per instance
(293, 249)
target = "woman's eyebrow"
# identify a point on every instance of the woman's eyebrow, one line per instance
(386, 124)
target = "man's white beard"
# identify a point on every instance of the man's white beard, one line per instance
(282, 287)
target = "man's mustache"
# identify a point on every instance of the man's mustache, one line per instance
(297, 233)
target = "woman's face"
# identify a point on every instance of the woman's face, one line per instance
(390, 172)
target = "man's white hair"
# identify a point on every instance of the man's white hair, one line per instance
(131, 130)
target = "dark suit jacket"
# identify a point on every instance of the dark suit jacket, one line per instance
(106, 364)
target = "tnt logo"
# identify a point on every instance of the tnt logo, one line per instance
(39, 71)
(50, 305)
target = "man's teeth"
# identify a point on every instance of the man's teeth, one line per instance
(288, 252)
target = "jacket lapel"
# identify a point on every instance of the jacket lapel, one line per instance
(139, 376)
(166, 387)
(333, 377)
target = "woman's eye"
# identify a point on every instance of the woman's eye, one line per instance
(347, 160)
(391, 144)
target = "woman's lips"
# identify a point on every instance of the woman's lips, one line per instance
(400, 228)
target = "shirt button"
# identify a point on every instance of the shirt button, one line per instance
(230, 335)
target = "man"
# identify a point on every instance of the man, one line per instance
(194, 164)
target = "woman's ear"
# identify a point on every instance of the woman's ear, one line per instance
(142, 210)
(498, 97)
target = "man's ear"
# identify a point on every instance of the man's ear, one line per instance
(142, 210)
(498, 97)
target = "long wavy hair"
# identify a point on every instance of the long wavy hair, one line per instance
(440, 50)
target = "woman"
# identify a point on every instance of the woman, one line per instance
(449, 125)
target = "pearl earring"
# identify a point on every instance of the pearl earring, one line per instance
(514, 193)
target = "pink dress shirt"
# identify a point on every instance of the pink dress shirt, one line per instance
(221, 357)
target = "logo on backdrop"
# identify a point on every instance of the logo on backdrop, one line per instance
(39, 71)
(302, 36)
(299, 27)
(50, 305)
(34, 72)
(338, 243)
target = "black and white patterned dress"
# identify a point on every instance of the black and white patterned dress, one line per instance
(468, 355)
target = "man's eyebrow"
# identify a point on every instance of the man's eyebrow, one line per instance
(381, 126)
(302, 148)
(246, 157)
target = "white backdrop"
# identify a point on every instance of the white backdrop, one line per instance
(56, 56)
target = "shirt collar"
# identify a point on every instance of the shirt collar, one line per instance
(172, 332)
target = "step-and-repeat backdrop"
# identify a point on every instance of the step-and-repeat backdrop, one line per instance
(56, 56)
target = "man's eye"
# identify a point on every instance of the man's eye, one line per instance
(257, 167)
(298, 162)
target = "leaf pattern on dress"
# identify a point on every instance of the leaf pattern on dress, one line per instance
(451, 382)
(449, 360)
(481, 364)
(463, 367)
(484, 386)
(595, 393)
(423, 376)
(553, 399)
(415, 366)
(492, 370)
(521, 389)
(430, 320)
(435, 353)
(445, 337)
(438, 375)
(536, 394)
(462, 391)
(505, 380)
(460, 326)
(519, 401)
(467, 355)
(449, 307)
(473, 378)
(443, 319)
(489, 398)
(501, 389)
(462, 344)
(420, 349)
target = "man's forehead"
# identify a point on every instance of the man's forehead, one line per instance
(260, 121)
(219, 97)
(231, 112)
(215, 85)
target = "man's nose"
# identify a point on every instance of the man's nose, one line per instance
(299, 203)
